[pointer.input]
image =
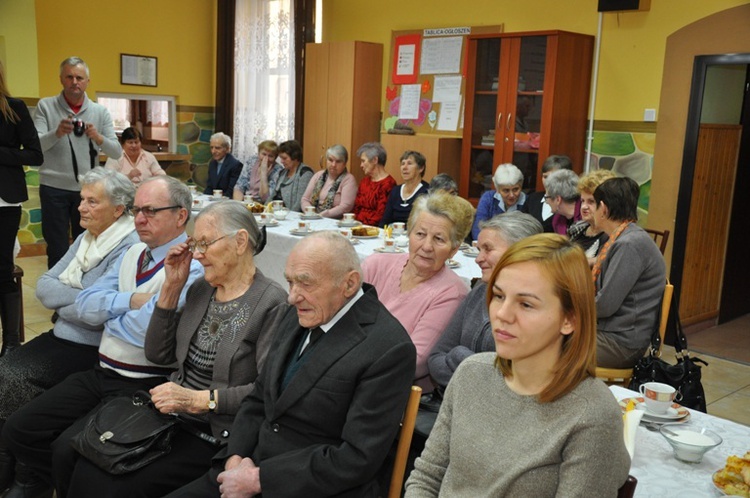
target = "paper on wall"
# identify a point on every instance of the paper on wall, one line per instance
(408, 107)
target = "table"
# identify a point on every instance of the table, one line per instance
(280, 243)
(659, 474)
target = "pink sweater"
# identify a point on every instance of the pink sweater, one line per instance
(424, 311)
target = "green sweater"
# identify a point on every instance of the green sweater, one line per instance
(490, 441)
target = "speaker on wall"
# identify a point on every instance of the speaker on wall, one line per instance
(624, 5)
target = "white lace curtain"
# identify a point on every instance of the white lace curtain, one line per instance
(264, 74)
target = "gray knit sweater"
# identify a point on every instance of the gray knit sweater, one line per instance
(629, 289)
(489, 441)
(57, 169)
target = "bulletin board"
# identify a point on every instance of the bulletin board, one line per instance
(426, 79)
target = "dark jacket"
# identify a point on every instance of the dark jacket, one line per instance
(12, 157)
(225, 180)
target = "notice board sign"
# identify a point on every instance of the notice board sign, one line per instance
(427, 72)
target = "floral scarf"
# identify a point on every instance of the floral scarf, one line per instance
(328, 201)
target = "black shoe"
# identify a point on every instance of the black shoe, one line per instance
(34, 490)
(28, 485)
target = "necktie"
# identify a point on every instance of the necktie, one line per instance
(147, 259)
(315, 334)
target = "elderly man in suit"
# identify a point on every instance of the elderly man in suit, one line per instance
(327, 405)
(224, 168)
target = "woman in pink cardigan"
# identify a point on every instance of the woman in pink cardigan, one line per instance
(418, 288)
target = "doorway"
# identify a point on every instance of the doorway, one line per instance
(712, 229)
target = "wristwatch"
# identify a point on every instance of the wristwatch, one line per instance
(211, 400)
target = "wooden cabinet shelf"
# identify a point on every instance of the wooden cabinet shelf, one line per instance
(542, 82)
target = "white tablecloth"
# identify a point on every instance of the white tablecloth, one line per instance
(280, 242)
(660, 475)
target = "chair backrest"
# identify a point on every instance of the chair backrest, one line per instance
(666, 302)
(627, 490)
(404, 442)
(660, 237)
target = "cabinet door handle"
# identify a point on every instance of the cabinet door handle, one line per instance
(499, 120)
(507, 121)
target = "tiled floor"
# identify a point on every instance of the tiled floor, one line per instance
(727, 383)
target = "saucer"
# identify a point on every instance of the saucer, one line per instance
(470, 253)
(315, 216)
(270, 223)
(348, 224)
(300, 233)
(354, 242)
(382, 250)
(464, 246)
(675, 413)
(452, 263)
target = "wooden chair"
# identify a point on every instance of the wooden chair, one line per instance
(622, 376)
(627, 490)
(660, 237)
(18, 277)
(404, 442)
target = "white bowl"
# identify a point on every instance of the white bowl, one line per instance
(280, 214)
(690, 442)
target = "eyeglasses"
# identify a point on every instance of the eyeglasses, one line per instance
(202, 246)
(547, 197)
(148, 211)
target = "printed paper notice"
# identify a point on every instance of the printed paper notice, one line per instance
(408, 107)
(449, 113)
(406, 60)
(446, 89)
(441, 55)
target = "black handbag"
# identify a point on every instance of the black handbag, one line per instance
(125, 434)
(685, 376)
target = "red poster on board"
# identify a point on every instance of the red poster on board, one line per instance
(406, 50)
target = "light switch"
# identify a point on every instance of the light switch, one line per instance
(649, 115)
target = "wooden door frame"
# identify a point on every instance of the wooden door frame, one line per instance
(692, 131)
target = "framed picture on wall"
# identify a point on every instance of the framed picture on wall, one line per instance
(138, 70)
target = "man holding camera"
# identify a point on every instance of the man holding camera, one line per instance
(71, 130)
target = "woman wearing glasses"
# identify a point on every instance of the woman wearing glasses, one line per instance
(220, 342)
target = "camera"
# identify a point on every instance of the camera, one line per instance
(79, 127)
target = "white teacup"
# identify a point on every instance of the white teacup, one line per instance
(248, 199)
(658, 396)
(348, 217)
(347, 233)
(389, 245)
(277, 205)
(218, 194)
(265, 217)
(402, 241)
(197, 203)
(310, 210)
(193, 189)
(399, 227)
(303, 226)
(280, 213)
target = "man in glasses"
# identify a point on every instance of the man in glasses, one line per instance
(122, 300)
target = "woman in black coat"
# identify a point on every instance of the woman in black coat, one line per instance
(19, 146)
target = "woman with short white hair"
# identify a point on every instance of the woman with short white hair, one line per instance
(506, 197)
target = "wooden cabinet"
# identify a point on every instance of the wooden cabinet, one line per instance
(527, 97)
(342, 99)
(443, 154)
